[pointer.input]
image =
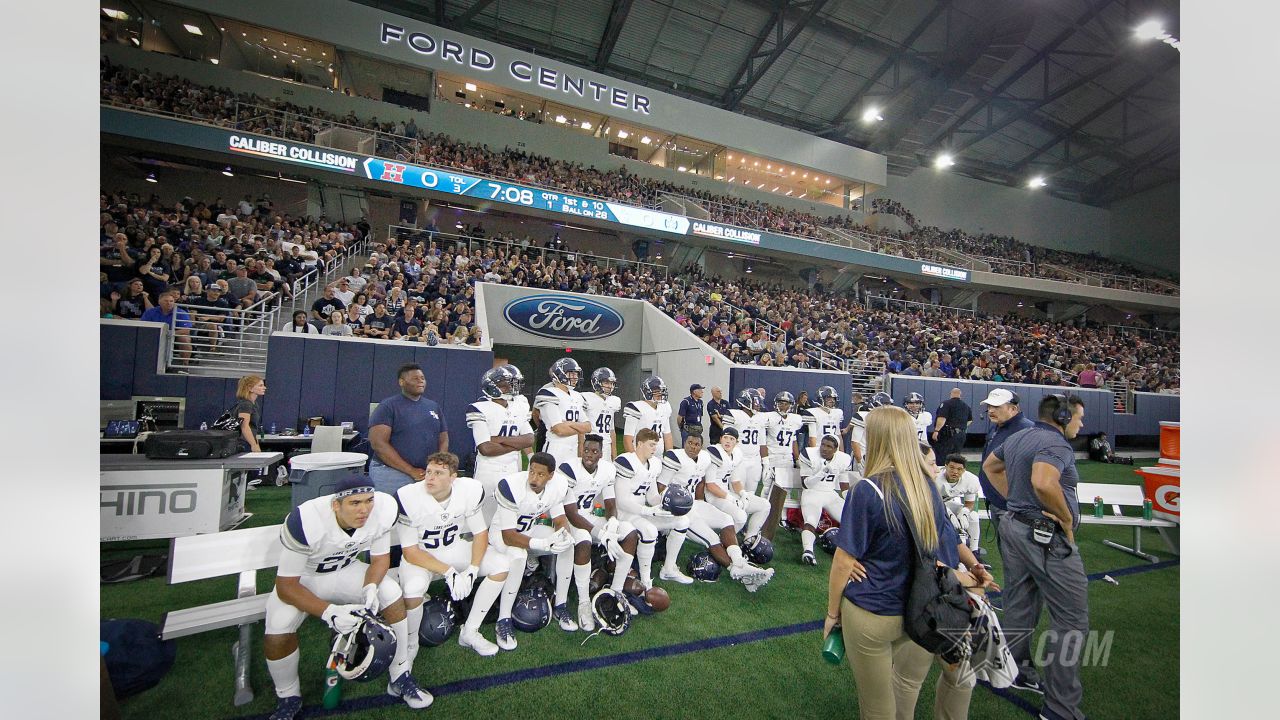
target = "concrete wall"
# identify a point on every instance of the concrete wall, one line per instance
(679, 358)
(1145, 228)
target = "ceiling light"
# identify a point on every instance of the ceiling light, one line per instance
(586, 125)
(471, 87)
(944, 161)
(135, 41)
(793, 172)
(760, 186)
(682, 168)
(872, 114)
(623, 134)
(213, 60)
(1036, 182)
(768, 167)
(775, 188)
(193, 29)
(789, 192)
(151, 177)
(735, 177)
(756, 164)
(285, 44)
(646, 140)
(227, 171)
(828, 181)
(729, 157)
(1150, 30)
(115, 14)
(561, 119)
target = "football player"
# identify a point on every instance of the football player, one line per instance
(319, 574)
(825, 418)
(561, 408)
(501, 431)
(653, 412)
(522, 498)
(823, 471)
(959, 489)
(443, 535)
(708, 525)
(639, 503)
(781, 453)
(858, 425)
(590, 478)
(923, 418)
(747, 419)
(602, 405)
(723, 488)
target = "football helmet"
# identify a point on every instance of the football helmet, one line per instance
(758, 549)
(914, 403)
(783, 398)
(748, 400)
(677, 500)
(828, 540)
(366, 652)
(610, 611)
(828, 397)
(880, 398)
(703, 567)
(532, 610)
(438, 621)
(517, 383)
(603, 375)
(653, 389)
(492, 382)
(566, 371)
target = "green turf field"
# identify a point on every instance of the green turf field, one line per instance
(777, 677)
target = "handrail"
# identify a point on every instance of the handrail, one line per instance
(869, 301)
(1137, 329)
(1062, 374)
(569, 254)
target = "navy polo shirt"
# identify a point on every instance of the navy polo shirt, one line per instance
(415, 426)
(885, 550)
(996, 435)
(691, 411)
(1040, 443)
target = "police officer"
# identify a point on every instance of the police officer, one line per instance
(718, 413)
(1036, 470)
(689, 418)
(949, 425)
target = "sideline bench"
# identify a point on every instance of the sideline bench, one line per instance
(1117, 497)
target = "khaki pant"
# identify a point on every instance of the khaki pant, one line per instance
(888, 669)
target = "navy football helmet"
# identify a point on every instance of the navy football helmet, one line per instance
(498, 384)
(914, 403)
(653, 389)
(532, 610)
(703, 567)
(517, 387)
(877, 400)
(828, 397)
(566, 371)
(748, 400)
(677, 500)
(366, 652)
(758, 549)
(828, 540)
(603, 375)
(784, 398)
(438, 621)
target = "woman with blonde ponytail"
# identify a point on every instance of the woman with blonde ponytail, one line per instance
(870, 574)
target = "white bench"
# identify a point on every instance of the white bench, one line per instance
(1117, 497)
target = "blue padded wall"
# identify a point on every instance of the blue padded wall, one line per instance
(127, 366)
(775, 380)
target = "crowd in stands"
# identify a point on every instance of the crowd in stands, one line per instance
(407, 142)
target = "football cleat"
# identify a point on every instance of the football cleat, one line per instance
(751, 576)
(807, 558)
(562, 616)
(674, 575)
(474, 640)
(506, 633)
(287, 708)
(586, 618)
(407, 689)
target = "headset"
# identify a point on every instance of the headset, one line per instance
(1062, 409)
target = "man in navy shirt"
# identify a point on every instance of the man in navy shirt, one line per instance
(404, 430)
(1006, 419)
(1036, 470)
(718, 411)
(689, 418)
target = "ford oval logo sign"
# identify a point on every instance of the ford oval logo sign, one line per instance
(563, 317)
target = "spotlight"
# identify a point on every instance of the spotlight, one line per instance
(1037, 182)
(872, 114)
(944, 161)
(151, 177)
(227, 171)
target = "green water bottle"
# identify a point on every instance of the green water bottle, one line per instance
(833, 647)
(1098, 508)
(332, 686)
(1146, 508)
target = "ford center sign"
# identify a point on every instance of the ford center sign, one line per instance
(563, 317)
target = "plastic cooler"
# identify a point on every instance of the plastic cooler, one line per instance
(316, 474)
(1170, 439)
(1162, 484)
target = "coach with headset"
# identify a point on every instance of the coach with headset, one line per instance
(1035, 469)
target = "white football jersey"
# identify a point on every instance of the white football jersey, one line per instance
(721, 465)
(582, 487)
(312, 530)
(750, 428)
(636, 483)
(600, 412)
(680, 469)
(822, 474)
(488, 419)
(435, 525)
(859, 432)
(640, 414)
(823, 421)
(519, 505)
(924, 426)
(779, 433)
(555, 406)
(966, 489)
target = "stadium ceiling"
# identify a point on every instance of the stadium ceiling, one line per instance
(1013, 89)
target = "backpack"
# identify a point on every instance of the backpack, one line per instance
(227, 421)
(939, 612)
(137, 659)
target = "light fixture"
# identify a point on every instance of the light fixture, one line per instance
(135, 41)
(775, 188)
(828, 181)
(193, 29)
(944, 161)
(1019, 303)
(682, 168)
(285, 44)
(227, 171)
(213, 60)
(735, 177)
(151, 177)
(761, 185)
(115, 14)
(872, 114)
(789, 192)
(623, 134)
(471, 87)
(768, 166)
(756, 164)
(1154, 30)
(586, 125)
(646, 140)
(728, 157)
(793, 172)
(561, 119)
(1036, 182)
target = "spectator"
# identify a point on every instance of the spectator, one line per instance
(326, 305)
(178, 320)
(337, 325)
(379, 324)
(248, 391)
(133, 302)
(299, 324)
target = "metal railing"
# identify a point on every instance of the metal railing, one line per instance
(401, 232)
(870, 301)
(1066, 376)
(1145, 330)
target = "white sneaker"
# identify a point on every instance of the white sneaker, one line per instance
(506, 634)
(561, 614)
(586, 618)
(752, 577)
(474, 640)
(674, 575)
(406, 688)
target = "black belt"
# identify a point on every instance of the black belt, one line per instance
(1026, 518)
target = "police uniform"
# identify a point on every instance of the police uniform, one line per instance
(951, 436)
